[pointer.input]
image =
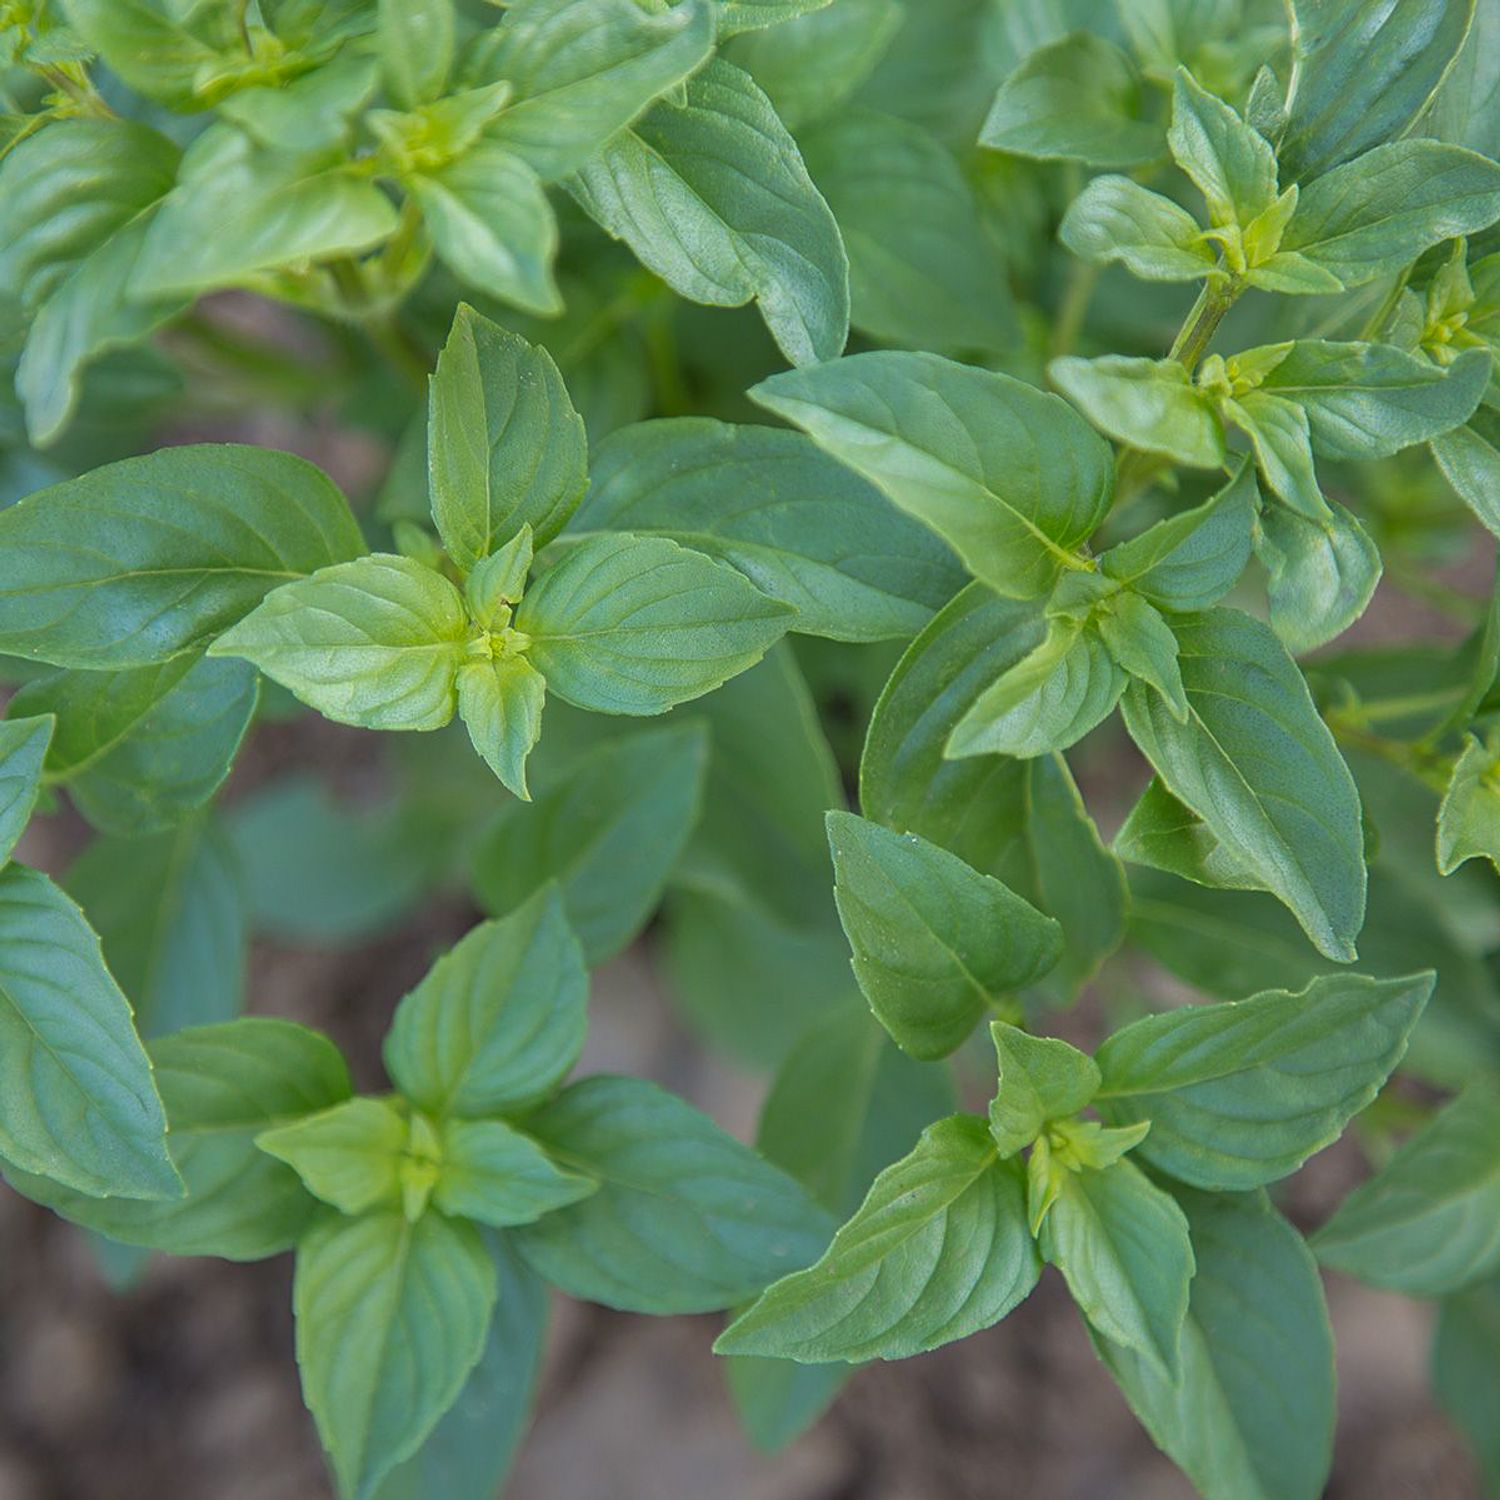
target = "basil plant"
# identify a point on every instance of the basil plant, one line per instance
(780, 443)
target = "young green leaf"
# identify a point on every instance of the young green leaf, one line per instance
(1469, 818)
(310, 113)
(685, 1219)
(391, 1317)
(77, 1099)
(1047, 701)
(584, 71)
(1151, 404)
(935, 942)
(506, 447)
(1281, 439)
(1141, 641)
(1230, 162)
(498, 1021)
(500, 702)
(348, 1155)
(222, 1085)
(1010, 477)
(1259, 766)
(1116, 219)
(1469, 457)
(1251, 1416)
(1241, 1094)
(1320, 575)
(1122, 1245)
(494, 1175)
(23, 751)
(1428, 1223)
(147, 558)
(141, 749)
(715, 199)
(1074, 99)
(609, 833)
(632, 625)
(1041, 1078)
(416, 48)
(799, 525)
(937, 1251)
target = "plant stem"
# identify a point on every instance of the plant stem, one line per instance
(1074, 307)
(1202, 322)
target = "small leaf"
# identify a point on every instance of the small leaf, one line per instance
(376, 642)
(1122, 1245)
(494, 1175)
(937, 1251)
(632, 625)
(1469, 457)
(1320, 575)
(1116, 219)
(1428, 1223)
(1281, 438)
(1041, 1078)
(416, 48)
(1469, 819)
(506, 446)
(1230, 162)
(23, 750)
(685, 1219)
(391, 1317)
(500, 702)
(1141, 641)
(1241, 1094)
(349, 1155)
(498, 1021)
(1151, 404)
(935, 942)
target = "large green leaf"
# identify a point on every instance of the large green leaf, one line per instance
(632, 625)
(23, 752)
(938, 1250)
(1465, 1374)
(714, 198)
(506, 447)
(608, 833)
(1259, 766)
(935, 941)
(147, 558)
(375, 642)
(498, 1021)
(1251, 1416)
(222, 1085)
(416, 48)
(77, 1099)
(160, 50)
(1243, 1093)
(1011, 477)
(1428, 1223)
(799, 525)
(685, 1220)
(391, 1317)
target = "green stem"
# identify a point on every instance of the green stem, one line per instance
(1377, 320)
(1202, 322)
(1417, 760)
(1074, 307)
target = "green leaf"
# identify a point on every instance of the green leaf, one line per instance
(23, 749)
(498, 1021)
(239, 210)
(1469, 818)
(1011, 477)
(492, 226)
(1428, 1223)
(507, 448)
(714, 198)
(1259, 766)
(1074, 99)
(799, 525)
(77, 1099)
(935, 942)
(609, 833)
(1375, 215)
(583, 71)
(416, 48)
(170, 912)
(348, 1155)
(1251, 1416)
(1190, 560)
(1469, 457)
(1320, 574)
(153, 51)
(632, 625)
(500, 702)
(1041, 1078)
(1229, 162)
(1371, 400)
(736, 16)
(1362, 72)
(495, 1175)
(1151, 404)
(1047, 701)
(937, 1251)
(685, 1219)
(1281, 439)
(391, 1317)
(1122, 1246)
(376, 642)
(1241, 1094)
(1465, 1376)
(147, 558)
(922, 271)
(1116, 219)
(141, 749)
(222, 1085)
(311, 113)
(1142, 642)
